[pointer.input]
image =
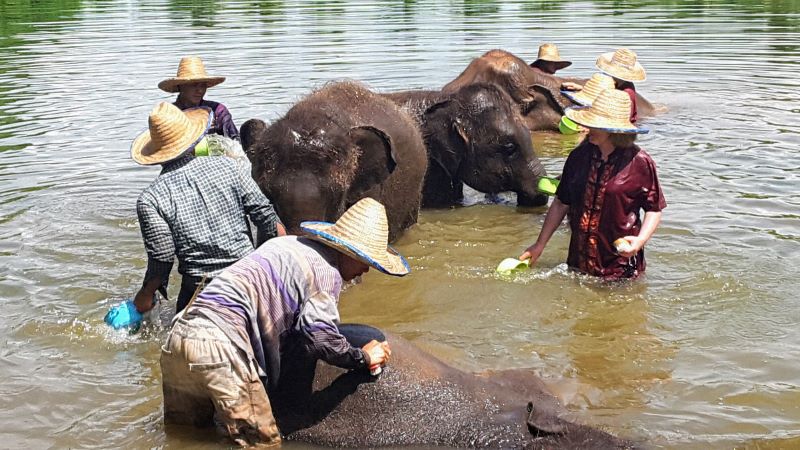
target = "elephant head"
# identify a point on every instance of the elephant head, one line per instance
(536, 95)
(475, 136)
(317, 172)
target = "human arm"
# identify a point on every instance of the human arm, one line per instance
(649, 225)
(160, 247)
(570, 86)
(260, 210)
(224, 122)
(317, 322)
(555, 214)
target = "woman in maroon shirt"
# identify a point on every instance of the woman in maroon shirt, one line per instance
(606, 181)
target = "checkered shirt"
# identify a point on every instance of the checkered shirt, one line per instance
(196, 211)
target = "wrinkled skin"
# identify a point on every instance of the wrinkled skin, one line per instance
(420, 401)
(473, 136)
(536, 94)
(338, 145)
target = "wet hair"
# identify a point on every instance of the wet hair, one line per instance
(622, 140)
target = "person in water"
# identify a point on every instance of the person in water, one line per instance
(191, 83)
(548, 60)
(196, 210)
(606, 181)
(255, 333)
(624, 67)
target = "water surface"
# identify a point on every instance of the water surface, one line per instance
(700, 353)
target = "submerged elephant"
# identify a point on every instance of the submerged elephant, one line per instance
(338, 145)
(420, 401)
(474, 136)
(537, 94)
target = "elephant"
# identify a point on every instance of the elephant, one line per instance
(336, 146)
(420, 401)
(537, 94)
(474, 136)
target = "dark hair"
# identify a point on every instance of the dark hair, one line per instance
(622, 140)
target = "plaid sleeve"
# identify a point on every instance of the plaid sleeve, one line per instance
(317, 321)
(260, 210)
(158, 241)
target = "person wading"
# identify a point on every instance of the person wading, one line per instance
(263, 323)
(548, 60)
(191, 83)
(196, 210)
(607, 180)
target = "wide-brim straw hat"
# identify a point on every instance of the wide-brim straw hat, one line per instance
(190, 70)
(622, 64)
(361, 233)
(171, 133)
(549, 52)
(610, 111)
(598, 83)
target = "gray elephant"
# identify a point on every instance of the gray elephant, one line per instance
(420, 401)
(338, 145)
(473, 136)
(536, 94)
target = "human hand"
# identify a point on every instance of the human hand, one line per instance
(570, 86)
(281, 230)
(634, 245)
(378, 352)
(144, 301)
(533, 252)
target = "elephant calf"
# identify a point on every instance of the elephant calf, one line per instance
(473, 135)
(420, 401)
(336, 146)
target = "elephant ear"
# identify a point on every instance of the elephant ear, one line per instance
(445, 135)
(250, 133)
(555, 99)
(378, 159)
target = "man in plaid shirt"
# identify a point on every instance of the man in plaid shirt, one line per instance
(197, 208)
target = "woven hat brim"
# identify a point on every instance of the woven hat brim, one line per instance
(588, 118)
(560, 64)
(144, 151)
(575, 97)
(636, 74)
(171, 84)
(390, 262)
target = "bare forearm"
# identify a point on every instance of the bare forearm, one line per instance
(555, 214)
(651, 221)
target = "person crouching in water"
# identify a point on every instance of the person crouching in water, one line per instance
(607, 180)
(272, 315)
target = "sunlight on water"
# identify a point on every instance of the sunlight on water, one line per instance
(700, 353)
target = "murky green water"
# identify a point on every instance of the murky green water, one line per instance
(702, 353)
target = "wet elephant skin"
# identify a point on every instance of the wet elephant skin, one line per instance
(536, 94)
(420, 401)
(474, 136)
(336, 146)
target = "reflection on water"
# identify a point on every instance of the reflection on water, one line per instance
(698, 354)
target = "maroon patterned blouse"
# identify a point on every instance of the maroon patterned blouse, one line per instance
(604, 199)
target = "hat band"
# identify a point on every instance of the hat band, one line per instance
(370, 260)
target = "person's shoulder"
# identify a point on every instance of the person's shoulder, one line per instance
(217, 107)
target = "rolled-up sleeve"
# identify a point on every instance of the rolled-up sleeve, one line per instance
(318, 318)
(259, 209)
(158, 242)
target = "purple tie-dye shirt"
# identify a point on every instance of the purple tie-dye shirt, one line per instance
(288, 288)
(223, 121)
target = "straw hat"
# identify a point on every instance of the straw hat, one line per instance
(172, 132)
(361, 233)
(610, 111)
(190, 70)
(597, 83)
(622, 64)
(549, 52)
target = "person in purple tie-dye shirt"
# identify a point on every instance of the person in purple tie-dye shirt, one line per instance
(191, 83)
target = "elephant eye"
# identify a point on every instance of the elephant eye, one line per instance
(508, 148)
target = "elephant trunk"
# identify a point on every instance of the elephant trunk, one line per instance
(527, 193)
